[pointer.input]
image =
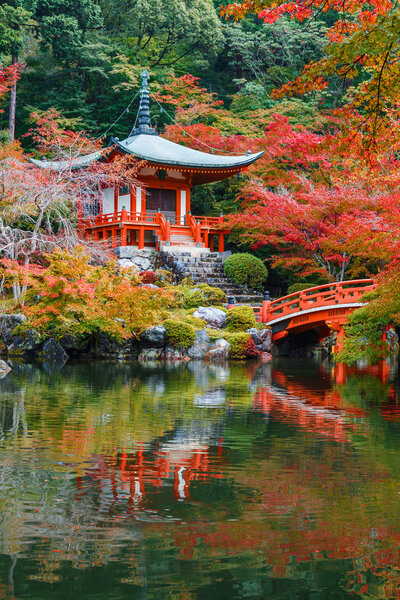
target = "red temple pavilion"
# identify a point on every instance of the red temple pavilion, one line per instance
(155, 212)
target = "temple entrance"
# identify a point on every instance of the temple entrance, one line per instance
(163, 200)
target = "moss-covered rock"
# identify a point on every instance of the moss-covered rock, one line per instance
(195, 322)
(179, 334)
(242, 346)
(240, 318)
(200, 295)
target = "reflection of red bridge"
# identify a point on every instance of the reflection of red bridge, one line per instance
(324, 308)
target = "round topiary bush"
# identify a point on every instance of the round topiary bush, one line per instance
(246, 269)
(299, 287)
(178, 334)
(242, 346)
(240, 318)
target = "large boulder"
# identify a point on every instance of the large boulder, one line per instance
(171, 353)
(149, 355)
(214, 317)
(218, 351)
(106, 347)
(262, 338)
(200, 346)
(7, 325)
(153, 337)
(27, 343)
(72, 345)
(132, 257)
(52, 351)
(4, 369)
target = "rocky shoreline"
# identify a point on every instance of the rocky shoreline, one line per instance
(151, 345)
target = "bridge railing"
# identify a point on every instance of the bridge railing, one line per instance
(344, 292)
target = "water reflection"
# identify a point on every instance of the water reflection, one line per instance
(250, 481)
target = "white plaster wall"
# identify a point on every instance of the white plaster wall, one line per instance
(138, 199)
(108, 201)
(183, 203)
(124, 200)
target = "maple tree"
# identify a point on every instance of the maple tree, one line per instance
(71, 295)
(40, 205)
(361, 48)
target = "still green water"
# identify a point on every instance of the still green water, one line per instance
(199, 482)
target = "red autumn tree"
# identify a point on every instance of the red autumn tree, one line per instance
(39, 205)
(361, 45)
(337, 233)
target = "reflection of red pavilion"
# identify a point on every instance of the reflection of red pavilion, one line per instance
(134, 475)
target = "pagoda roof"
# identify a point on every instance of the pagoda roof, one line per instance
(160, 151)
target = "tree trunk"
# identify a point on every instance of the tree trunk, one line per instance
(13, 103)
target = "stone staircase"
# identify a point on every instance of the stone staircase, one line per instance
(208, 267)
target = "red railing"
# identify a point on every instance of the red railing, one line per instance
(210, 222)
(119, 217)
(319, 297)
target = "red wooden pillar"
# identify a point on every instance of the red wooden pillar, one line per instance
(114, 237)
(124, 237)
(198, 232)
(206, 238)
(178, 207)
(265, 307)
(220, 242)
(212, 243)
(143, 200)
(141, 238)
(124, 217)
(167, 231)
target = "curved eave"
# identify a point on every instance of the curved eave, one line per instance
(169, 153)
(63, 165)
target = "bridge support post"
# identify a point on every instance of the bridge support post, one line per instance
(265, 307)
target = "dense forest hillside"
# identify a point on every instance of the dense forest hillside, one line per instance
(82, 57)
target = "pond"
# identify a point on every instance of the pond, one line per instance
(199, 482)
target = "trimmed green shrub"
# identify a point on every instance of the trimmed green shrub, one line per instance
(299, 287)
(240, 318)
(246, 269)
(201, 295)
(179, 335)
(192, 297)
(242, 346)
(213, 295)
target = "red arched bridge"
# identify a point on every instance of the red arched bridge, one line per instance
(323, 308)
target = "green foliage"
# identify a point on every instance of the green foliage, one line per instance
(200, 295)
(242, 346)
(364, 335)
(299, 287)
(246, 269)
(195, 322)
(72, 296)
(240, 318)
(179, 335)
(213, 295)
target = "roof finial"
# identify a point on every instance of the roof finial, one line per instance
(144, 109)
